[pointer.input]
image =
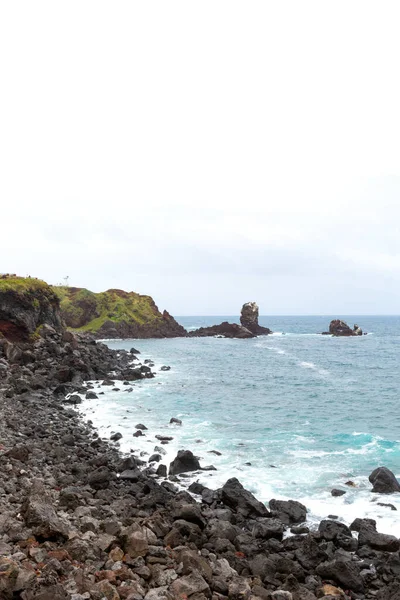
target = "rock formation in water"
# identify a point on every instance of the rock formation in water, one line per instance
(115, 314)
(225, 329)
(339, 328)
(249, 319)
(248, 328)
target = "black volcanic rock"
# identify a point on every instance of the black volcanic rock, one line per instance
(225, 329)
(249, 319)
(339, 328)
(384, 481)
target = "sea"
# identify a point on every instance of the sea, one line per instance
(292, 415)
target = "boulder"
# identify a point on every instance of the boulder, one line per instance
(368, 536)
(234, 495)
(184, 462)
(39, 513)
(344, 572)
(249, 319)
(339, 328)
(288, 511)
(384, 481)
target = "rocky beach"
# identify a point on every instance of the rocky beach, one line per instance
(81, 521)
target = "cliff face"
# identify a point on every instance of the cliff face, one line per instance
(25, 305)
(115, 314)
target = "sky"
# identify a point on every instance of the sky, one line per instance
(206, 153)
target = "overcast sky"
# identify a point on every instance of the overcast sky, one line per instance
(206, 152)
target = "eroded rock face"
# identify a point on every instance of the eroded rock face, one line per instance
(25, 305)
(339, 328)
(249, 319)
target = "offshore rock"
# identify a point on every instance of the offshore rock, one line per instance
(384, 481)
(249, 319)
(339, 328)
(225, 329)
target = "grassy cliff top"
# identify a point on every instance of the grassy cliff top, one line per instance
(88, 311)
(21, 285)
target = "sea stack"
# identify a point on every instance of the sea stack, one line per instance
(339, 328)
(249, 319)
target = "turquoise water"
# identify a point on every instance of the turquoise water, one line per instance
(309, 412)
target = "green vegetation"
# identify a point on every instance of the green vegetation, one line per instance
(84, 310)
(22, 285)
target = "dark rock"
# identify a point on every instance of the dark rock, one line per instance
(368, 536)
(165, 368)
(161, 471)
(116, 436)
(336, 492)
(175, 420)
(339, 328)
(330, 530)
(141, 427)
(225, 329)
(91, 396)
(236, 497)
(138, 433)
(391, 506)
(155, 458)
(288, 511)
(343, 572)
(131, 475)
(164, 438)
(184, 462)
(249, 319)
(134, 351)
(384, 481)
(73, 399)
(100, 478)
(39, 513)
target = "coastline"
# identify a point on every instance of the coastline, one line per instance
(71, 529)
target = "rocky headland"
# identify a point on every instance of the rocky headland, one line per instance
(79, 521)
(115, 314)
(248, 328)
(338, 328)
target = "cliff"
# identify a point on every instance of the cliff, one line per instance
(115, 314)
(26, 304)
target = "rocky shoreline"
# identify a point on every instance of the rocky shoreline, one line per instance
(78, 521)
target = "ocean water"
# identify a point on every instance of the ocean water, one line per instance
(293, 414)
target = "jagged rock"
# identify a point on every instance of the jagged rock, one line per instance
(184, 462)
(339, 328)
(384, 481)
(39, 513)
(225, 329)
(288, 511)
(344, 572)
(249, 319)
(368, 536)
(234, 495)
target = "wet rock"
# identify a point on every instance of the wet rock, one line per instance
(165, 368)
(184, 462)
(141, 427)
(384, 481)
(234, 495)
(138, 433)
(330, 530)
(175, 421)
(91, 396)
(378, 541)
(288, 511)
(336, 492)
(116, 436)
